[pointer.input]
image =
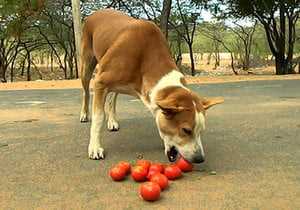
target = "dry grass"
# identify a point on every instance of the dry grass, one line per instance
(70, 84)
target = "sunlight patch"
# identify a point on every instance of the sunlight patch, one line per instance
(31, 102)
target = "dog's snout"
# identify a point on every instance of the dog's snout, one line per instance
(198, 159)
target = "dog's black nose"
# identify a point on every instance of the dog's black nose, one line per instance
(198, 159)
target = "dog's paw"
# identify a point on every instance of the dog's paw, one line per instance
(84, 117)
(112, 125)
(96, 152)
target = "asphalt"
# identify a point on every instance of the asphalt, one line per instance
(252, 142)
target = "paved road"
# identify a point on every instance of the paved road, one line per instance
(252, 142)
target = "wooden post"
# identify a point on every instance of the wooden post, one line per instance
(77, 26)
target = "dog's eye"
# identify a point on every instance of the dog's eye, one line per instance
(187, 131)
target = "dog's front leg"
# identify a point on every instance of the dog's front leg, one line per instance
(95, 149)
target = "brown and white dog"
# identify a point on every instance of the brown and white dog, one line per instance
(132, 57)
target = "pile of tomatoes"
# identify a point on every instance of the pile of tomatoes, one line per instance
(155, 176)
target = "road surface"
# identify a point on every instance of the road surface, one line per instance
(252, 141)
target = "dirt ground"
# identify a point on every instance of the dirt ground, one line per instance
(67, 84)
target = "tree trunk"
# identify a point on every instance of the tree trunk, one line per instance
(2, 71)
(2, 62)
(291, 42)
(2, 74)
(248, 46)
(217, 59)
(28, 58)
(217, 63)
(179, 56)
(12, 69)
(232, 64)
(246, 64)
(246, 61)
(51, 61)
(76, 68)
(70, 62)
(281, 61)
(165, 17)
(47, 61)
(217, 54)
(208, 59)
(280, 65)
(246, 57)
(192, 59)
(28, 66)
(13, 62)
(65, 65)
(23, 66)
(275, 47)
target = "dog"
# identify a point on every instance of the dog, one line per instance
(132, 57)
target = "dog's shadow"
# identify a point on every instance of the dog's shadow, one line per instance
(138, 135)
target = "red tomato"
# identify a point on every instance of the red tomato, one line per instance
(157, 167)
(125, 166)
(145, 163)
(160, 179)
(139, 173)
(184, 165)
(172, 172)
(150, 191)
(151, 173)
(117, 173)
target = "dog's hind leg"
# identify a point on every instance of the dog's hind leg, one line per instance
(112, 124)
(87, 66)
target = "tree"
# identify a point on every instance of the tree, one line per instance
(175, 42)
(279, 18)
(203, 44)
(216, 32)
(244, 35)
(164, 18)
(15, 33)
(184, 20)
(261, 51)
(56, 28)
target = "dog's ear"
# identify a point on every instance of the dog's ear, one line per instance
(209, 102)
(169, 108)
(205, 103)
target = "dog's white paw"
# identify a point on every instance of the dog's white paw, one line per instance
(84, 117)
(96, 152)
(112, 125)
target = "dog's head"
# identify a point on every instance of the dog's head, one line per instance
(181, 120)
